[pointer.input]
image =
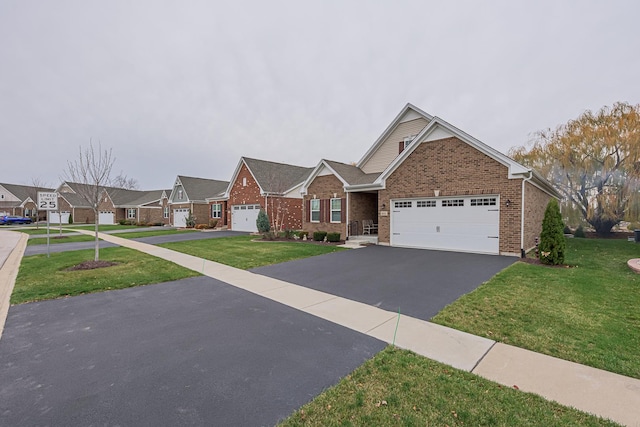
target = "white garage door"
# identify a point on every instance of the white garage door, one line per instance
(180, 217)
(59, 217)
(243, 217)
(464, 223)
(106, 218)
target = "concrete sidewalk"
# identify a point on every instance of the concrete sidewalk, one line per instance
(12, 245)
(592, 390)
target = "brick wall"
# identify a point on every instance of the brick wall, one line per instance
(362, 206)
(535, 203)
(286, 211)
(324, 187)
(240, 194)
(222, 221)
(455, 168)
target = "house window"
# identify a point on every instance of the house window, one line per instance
(402, 204)
(216, 210)
(407, 140)
(489, 201)
(336, 210)
(244, 181)
(452, 202)
(426, 204)
(179, 194)
(165, 212)
(131, 213)
(315, 210)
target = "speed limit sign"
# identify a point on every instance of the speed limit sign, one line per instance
(47, 201)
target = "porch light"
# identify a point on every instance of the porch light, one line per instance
(384, 206)
(508, 203)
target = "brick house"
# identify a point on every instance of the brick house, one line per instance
(426, 184)
(190, 194)
(20, 200)
(260, 184)
(115, 204)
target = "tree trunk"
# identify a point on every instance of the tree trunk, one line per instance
(97, 249)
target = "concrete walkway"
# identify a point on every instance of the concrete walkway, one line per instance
(12, 245)
(592, 390)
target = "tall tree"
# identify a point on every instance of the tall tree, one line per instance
(123, 181)
(593, 161)
(92, 169)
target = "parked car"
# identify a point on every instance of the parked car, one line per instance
(9, 219)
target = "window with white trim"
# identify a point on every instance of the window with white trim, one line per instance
(408, 140)
(180, 194)
(336, 210)
(487, 201)
(131, 213)
(402, 204)
(216, 210)
(165, 212)
(315, 210)
(452, 202)
(426, 204)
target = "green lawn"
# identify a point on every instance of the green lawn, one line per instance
(400, 388)
(56, 238)
(587, 314)
(242, 252)
(138, 234)
(103, 227)
(43, 278)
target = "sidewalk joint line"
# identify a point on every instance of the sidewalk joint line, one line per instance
(386, 321)
(483, 356)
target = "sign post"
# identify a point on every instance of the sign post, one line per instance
(48, 202)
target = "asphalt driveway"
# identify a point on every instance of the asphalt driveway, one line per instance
(152, 240)
(192, 352)
(417, 282)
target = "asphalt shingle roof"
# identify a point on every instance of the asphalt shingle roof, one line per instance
(23, 192)
(353, 175)
(202, 188)
(276, 177)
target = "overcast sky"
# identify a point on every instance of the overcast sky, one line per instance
(187, 87)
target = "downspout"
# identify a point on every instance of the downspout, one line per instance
(347, 216)
(522, 249)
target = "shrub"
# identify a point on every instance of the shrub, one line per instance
(319, 236)
(302, 234)
(288, 234)
(567, 230)
(201, 226)
(262, 223)
(552, 241)
(122, 221)
(269, 235)
(213, 223)
(70, 218)
(190, 220)
(579, 232)
(333, 237)
(633, 226)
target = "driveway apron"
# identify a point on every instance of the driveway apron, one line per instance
(417, 282)
(191, 352)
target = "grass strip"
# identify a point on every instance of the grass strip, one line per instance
(42, 278)
(587, 314)
(399, 388)
(242, 252)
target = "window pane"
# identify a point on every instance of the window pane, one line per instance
(315, 215)
(335, 204)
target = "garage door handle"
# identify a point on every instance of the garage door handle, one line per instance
(493, 210)
(492, 237)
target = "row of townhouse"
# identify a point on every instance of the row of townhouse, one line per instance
(423, 183)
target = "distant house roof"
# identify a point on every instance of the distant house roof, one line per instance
(273, 177)
(200, 189)
(22, 192)
(121, 197)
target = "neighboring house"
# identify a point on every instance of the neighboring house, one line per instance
(260, 184)
(115, 204)
(190, 194)
(426, 184)
(21, 200)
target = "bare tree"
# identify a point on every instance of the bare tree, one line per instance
(92, 169)
(123, 181)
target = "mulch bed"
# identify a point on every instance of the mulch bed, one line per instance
(313, 242)
(91, 265)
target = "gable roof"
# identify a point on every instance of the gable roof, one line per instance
(272, 177)
(200, 189)
(24, 192)
(408, 109)
(439, 129)
(121, 197)
(349, 175)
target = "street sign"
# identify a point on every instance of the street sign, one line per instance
(47, 201)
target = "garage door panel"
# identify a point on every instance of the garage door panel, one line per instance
(243, 217)
(458, 228)
(180, 217)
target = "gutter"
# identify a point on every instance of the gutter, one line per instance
(522, 250)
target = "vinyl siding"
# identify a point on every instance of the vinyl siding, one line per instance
(388, 150)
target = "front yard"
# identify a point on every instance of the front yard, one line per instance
(242, 252)
(587, 313)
